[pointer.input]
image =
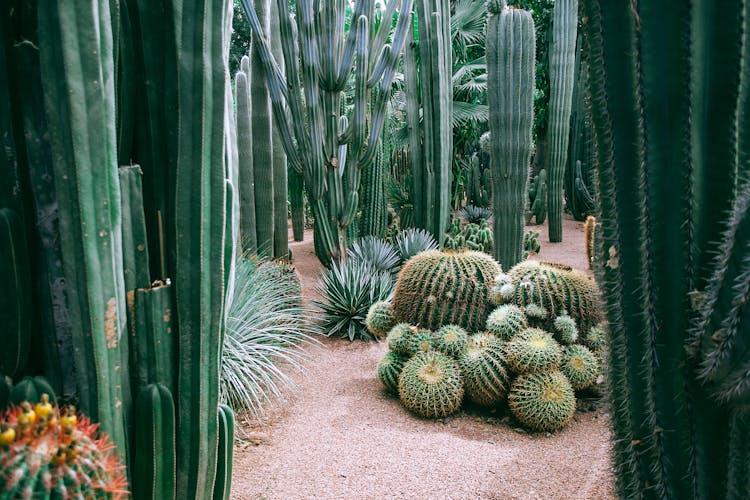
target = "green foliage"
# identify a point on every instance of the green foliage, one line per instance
(580, 366)
(430, 385)
(533, 350)
(506, 321)
(470, 236)
(542, 401)
(451, 340)
(375, 252)
(438, 288)
(485, 374)
(379, 320)
(403, 205)
(412, 241)
(241, 38)
(472, 214)
(348, 289)
(265, 337)
(389, 369)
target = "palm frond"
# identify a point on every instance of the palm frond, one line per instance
(467, 23)
(467, 112)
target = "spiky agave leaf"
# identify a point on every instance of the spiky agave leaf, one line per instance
(475, 215)
(348, 290)
(413, 241)
(376, 252)
(266, 334)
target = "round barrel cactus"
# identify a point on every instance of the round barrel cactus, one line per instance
(484, 370)
(438, 288)
(430, 385)
(580, 366)
(533, 350)
(389, 369)
(542, 401)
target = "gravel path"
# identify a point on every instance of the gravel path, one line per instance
(341, 436)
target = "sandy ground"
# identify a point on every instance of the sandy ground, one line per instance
(341, 436)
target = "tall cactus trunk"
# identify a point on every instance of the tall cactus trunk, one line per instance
(79, 99)
(511, 52)
(248, 233)
(280, 187)
(665, 106)
(374, 220)
(263, 167)
(561, 78)
(297, 200)
(200, 225)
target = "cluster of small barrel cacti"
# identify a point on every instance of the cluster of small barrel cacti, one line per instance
(471, 236)
(532, 354)
(52, 452)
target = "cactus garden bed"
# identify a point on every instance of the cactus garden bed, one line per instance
(342, 435)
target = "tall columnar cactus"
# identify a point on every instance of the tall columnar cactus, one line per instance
(374, 213)
(248, 226)
(670, 109)
(306, 102)
(223, 484)
(297, 202)
(15, 294)
(280, 187)
(154, 450)
(431, 167)
(561, 78)
(80, 105)
(263, 151)
(153, 349)
(200, 247)
(511, 52)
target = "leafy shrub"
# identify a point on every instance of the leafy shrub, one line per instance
(265, 336)
(348, 290)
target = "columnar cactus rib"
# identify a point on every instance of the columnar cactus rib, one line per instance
(15, 294)
(280, 187)
(79, 99)
(675, 79)
(200, 224)
(154, 339)
(248, 227)
(511, 52)
(561, 76)
(154, 453)
(223, 486)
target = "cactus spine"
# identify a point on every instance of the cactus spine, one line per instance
(306, 101)
(15, 294)
(561, 77)
(666, 94)
(248, 226)
(511, 52)
(154, 462)
(79, 99)
(432, 176)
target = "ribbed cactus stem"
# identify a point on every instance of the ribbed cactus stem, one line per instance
(297, 202)
(280, 187)
(562, 79)
(511, 52)
(154, 460)
(248, 228)
(79, 97)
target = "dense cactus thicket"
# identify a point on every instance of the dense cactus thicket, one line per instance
(670, 97)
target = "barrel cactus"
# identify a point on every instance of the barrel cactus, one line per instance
(557, 288)
(533, 350)
(45, 453)
(596, 337)
(430, 385)
(565, 329)
(451, 340)
(389, 369)
(483, 366)
(438, 288)
(506, 321)
(542, 401)
(398, 338)
(379, 320)
(580, 366)
(421, 341)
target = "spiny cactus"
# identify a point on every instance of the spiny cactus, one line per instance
(506, 321)
(389, 369)
(31, 389)
(399, 336)
(511, 52)
(589, 228)
(46, 452)
(531, 245)
(379, 320)
(596, 337)
(470, 236)
(451, 340)
(430, 385)
(557, 288)
(483, 366)
(561, 76)
(533, 350)
(542, 401)
(154, 459)
(421, 341)
(565, 329)
(438, 288)
(580, 366)
(536, 314)
(538, 198)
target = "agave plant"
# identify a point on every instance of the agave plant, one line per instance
(413, 241)
(475, 215)
(348, 290)
(266, 334)
(377, 252)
